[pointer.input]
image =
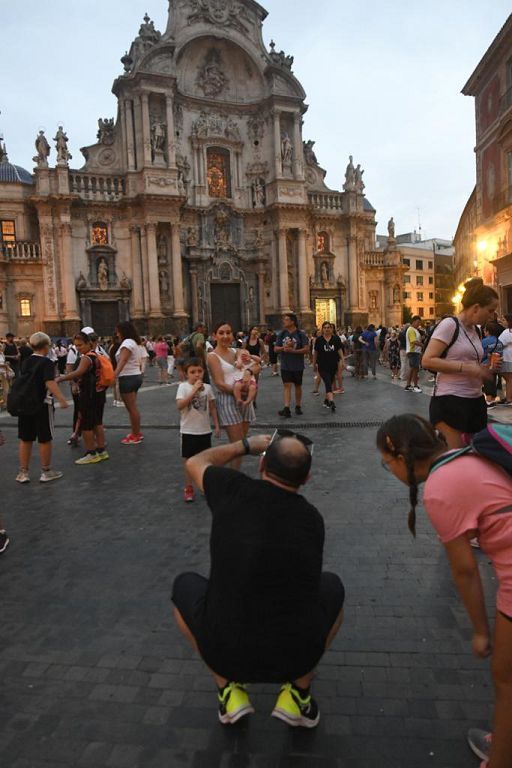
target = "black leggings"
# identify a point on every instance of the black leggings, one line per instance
(327, 376)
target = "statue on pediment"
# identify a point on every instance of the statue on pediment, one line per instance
(359, 183)
(391, 228)
(350, 176)
(211, 79)
(105, 133)
(61, 144)
(309, 154)
(43, 151)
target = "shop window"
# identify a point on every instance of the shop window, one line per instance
(8, 231)
(323, 244)
(218, 172)
(99, 233)
(25, 308)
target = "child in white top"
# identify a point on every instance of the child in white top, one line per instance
(245, 387)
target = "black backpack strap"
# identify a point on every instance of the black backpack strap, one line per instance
(454, 337)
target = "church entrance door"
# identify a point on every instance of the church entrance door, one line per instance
(104, 317)
(226, 304)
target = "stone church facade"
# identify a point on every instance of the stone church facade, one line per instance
(200, 201)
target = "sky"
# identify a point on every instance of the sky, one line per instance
(382, 77)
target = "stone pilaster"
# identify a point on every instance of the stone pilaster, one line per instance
(155, 309)
(284, 288)
(177, 274)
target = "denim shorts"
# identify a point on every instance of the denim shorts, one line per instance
(129, 384)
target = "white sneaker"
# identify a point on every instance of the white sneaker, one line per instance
(417, 389)
(50, 474)
(23, 476)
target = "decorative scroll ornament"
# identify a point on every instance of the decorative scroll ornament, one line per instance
(225, 13)
(215, 126)
(211, 79)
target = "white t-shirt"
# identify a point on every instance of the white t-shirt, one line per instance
(133, 364)
(506, 340)
(195, 420)
(72, 355)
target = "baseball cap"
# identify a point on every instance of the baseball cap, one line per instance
(87, 330)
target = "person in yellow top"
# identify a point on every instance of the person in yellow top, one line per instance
(413, 349)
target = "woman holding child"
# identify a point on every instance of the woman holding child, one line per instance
(226, 368)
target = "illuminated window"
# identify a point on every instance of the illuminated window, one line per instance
(25, 308)
(8, 231)
(322, 245)
(99, 233)
(218, 174)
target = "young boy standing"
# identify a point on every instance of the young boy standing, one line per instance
(196, 404)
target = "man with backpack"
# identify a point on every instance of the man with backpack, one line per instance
(194, 346)
(31, 399)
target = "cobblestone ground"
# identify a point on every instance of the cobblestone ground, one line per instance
(94, 673)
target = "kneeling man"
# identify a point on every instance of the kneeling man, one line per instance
(267, 613)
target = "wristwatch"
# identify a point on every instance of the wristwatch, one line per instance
(246, 445)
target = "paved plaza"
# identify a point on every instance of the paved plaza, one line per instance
(94, 673)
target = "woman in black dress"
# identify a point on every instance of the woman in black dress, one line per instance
(256, 348)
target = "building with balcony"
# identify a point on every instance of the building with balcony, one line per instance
(199, 201)
(483, 243)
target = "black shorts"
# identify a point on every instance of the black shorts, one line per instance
(90, 411)
(191, 445)
(129, 384)
(292, 377)
(189, 597)
(272, 358)
(37, 427)
(465, 414)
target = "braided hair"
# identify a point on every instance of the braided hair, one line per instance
(414, 439)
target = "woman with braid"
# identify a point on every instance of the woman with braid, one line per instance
(466, 497)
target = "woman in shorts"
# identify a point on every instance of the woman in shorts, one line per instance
(91, 402)
(458, 408)
(129, 373)
(233, 417)
(465, 497)
(161, 352)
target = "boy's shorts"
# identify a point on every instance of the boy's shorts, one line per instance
(191, 445)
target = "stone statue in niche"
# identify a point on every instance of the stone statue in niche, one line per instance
(163, 279)
(211, 79)
(359, 183)
(125, 283)
(43, 151)
(324, 272)
(252, 295)
(61, 144)
(396, 294)
(103, 275)
(191, 237)
(162, 249)
(81, 283)
(286, 150)
(221, 227)
(350, 176)
(258, 193)
(391, 228)
(259, 240)
(232, 130)
(256, 126)
(106, 131)
(158, 138)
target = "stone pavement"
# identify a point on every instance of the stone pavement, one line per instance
(95, 675)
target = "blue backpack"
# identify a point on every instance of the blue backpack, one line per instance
(493, 443)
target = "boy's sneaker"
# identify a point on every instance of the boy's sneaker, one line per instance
(298, 410)
(23, 476)
(4, 541)
(480, 743)
(234, 703)
(188, 494)
(89, 458)
(417, 389)
(286, 413)
(47, 475)
(292, 709)
(332, 406)
(103, 455)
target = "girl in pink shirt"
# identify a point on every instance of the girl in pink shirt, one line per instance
(466, 497)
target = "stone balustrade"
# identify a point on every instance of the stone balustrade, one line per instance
(97, 188)
(373, 259)
(327, 201)
(22, 250)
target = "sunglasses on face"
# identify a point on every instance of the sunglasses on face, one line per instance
(280, 433)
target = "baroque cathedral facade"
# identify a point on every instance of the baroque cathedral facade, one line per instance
(200, 201)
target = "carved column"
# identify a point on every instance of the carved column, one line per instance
(353, 272)
(67, 273)
(171, 137)
(146, 129)
(195, 296)
(277, 143)
(177, 273)
(303, 274)
(136, 262)
(298, 151)
(261, 296)
(130, 141)
(284, 289)
(154, 284)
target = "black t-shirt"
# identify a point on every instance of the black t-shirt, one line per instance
(327, 352)
(10, 350)
(262, 610)
(45, 371)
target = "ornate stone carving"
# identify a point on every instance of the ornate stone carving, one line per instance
(43, 151)
(161, 64)
(391, 228)
(163, 279)
(160, 181)
(225, 13)
(216, 126)
(258, 193)
(106, 131)
(359, 183)
(61, 144)
(286, 150)
(256, 127)
(211, 78)
(280, 59)
(191, 237)
(125, 283)
(81, 283)
(102, 275)
(350, 176)
(163, 250)
(309, 155)
(178, 117)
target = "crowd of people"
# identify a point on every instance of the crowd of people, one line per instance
(250, 621)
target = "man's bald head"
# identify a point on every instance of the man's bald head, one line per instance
(288, 461)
